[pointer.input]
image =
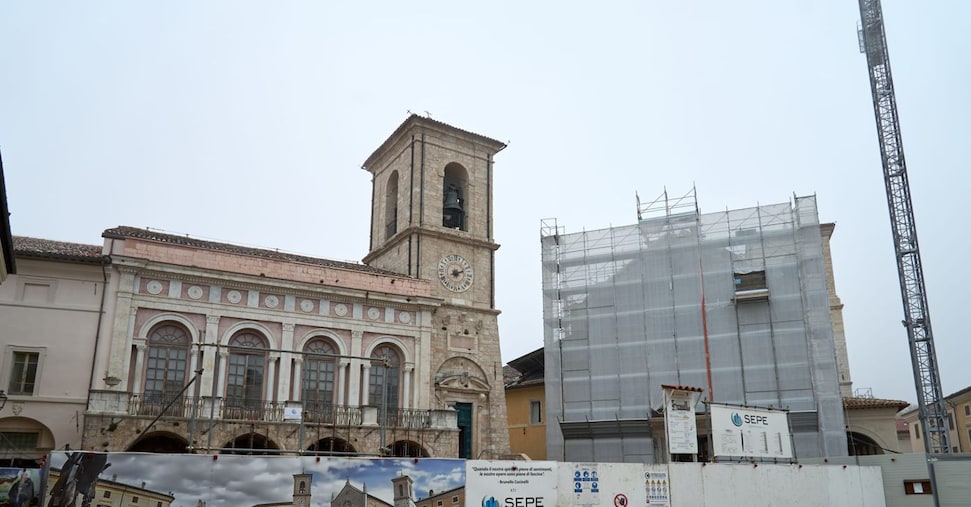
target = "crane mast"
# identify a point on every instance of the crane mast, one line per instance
(930, 399)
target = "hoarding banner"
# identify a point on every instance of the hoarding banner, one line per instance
(511, 483)
(679, 420)
(750, 432)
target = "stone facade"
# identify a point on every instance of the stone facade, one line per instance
(235, 349)
(836, 314)
(412, 174)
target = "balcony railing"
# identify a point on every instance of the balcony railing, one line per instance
(152, 405)
(407, 418)
(333, 415)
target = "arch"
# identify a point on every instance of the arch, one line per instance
(160, 442)
(250, 443)
(27, 425)
(318, 379)
(322, 333)
(246, 375)
(166, 371)
(455, 192)
(391, 205)
(390, 340)
(384, 381)
(406, 449)
(332, 446)
(189, 326)
(248, 326)
(859, 444)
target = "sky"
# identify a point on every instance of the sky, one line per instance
(239, 481)
(248, 122)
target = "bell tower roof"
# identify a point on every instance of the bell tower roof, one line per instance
(415, 121)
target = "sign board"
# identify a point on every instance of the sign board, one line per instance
(657, 487)
(292, 413)
(511, 483)
(750, 432)
(679, 420)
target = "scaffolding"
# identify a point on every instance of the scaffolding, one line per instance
(738, 297)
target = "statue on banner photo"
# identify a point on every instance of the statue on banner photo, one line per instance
(23, 487)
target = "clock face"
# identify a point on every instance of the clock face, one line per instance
(455, 273)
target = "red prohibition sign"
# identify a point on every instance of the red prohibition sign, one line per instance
(620, 500)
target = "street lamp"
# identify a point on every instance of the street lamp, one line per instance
(3, 398)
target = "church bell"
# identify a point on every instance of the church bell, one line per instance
(452, 212)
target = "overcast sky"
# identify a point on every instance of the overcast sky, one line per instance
(240, 481)
(248, 122)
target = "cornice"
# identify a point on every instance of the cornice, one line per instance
(460, 237)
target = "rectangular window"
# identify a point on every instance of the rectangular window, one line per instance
(23, 373)
(107, 494)
(917, 431)
(455, 499)
(967, 409)
(18, 440)
(535, 412)
(439, 503)
(134, 499)
(950, 421)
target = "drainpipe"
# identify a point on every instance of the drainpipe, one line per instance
(101, 311)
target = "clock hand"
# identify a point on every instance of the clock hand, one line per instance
(457, 272)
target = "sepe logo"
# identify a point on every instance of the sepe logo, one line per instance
(490, 501)
(736, 419)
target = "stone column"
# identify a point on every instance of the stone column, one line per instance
(221, 381)
(210, 339)
(270, 375)
(366, 379)
(298, 378)
(139, 365)
(284, 388)
(407, 372)
(340, 391)
(354, 381)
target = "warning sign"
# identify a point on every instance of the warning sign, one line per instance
(657, 486)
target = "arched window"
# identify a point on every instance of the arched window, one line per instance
(391, 205)
(165, 373)
(318, 380)
(244, 380)
(384, 382)
(454, 191)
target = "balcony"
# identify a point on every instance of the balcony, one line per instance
(187, 407)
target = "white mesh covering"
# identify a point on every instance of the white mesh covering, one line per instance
(622, 316)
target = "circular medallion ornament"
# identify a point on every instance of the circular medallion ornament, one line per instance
(271, 301)
(373, 313)
(234, 296)
(154, 287)
(404, 317)
(455, 273)
(307, 305)
(340, 309)
(195, 292)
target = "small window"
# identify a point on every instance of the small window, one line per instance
(439, 503)
(535, 412)
(107, 494)
(134, 499)
(158, 504)
(455, 499)
(918, 487)
(917, 431)
(967, 409)
(23, 373)
(950, 421)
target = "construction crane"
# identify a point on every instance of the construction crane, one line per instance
(917, 320)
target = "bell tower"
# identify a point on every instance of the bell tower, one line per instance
(431, 218)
